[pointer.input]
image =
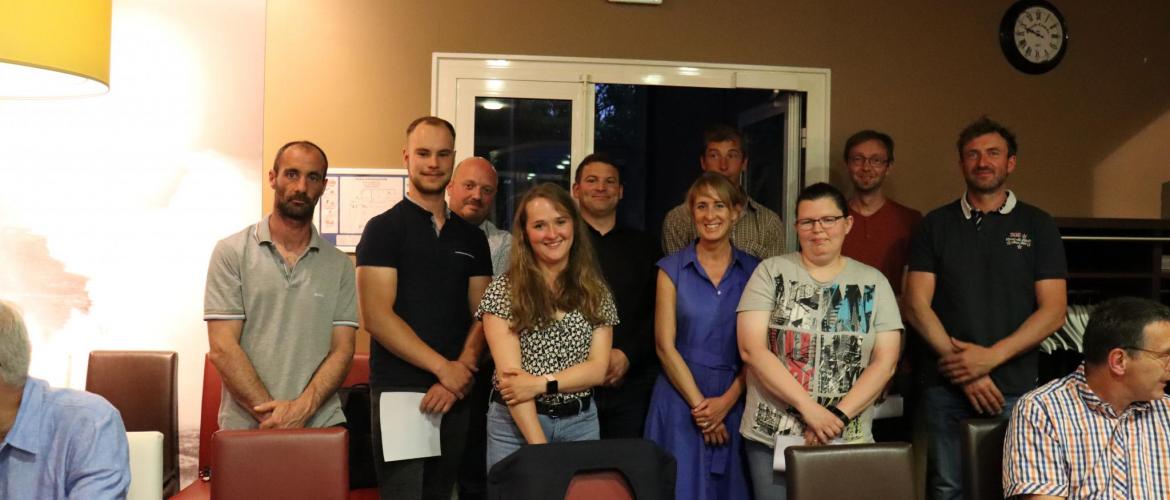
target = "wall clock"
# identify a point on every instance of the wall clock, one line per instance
(1033, 36)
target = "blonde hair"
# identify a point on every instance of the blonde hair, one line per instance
(581, 286)
(718, 184)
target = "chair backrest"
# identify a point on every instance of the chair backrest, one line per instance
(982, 444)
(850, 471)
(597, 485)
(359, 373)
(208, 412)
(146, 465)
(359, 370)
(287, 464)
(614, 468)
(143, 386)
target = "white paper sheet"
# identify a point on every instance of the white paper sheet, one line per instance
(891, 407)
(783, 441)
(407, 432)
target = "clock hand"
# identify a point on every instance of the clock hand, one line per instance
(1034, 32)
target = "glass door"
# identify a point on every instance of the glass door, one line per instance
(525, 128)
(536, 117)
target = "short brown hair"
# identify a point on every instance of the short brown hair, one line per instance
(433, 121)
(596, 158)
(299, 144)
(984, 126)
(721, 133)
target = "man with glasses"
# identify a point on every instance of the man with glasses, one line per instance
(881, 226)
(986, 286)
(1103, 431)
(759, 231)
(880, 238)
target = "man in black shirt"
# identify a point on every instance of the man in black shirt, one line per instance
(986, 286)
(421, 272)
(627, 258)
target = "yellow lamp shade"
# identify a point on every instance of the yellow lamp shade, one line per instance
(51, 48)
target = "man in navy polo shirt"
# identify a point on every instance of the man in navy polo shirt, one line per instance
(986, 286)
(421, 272)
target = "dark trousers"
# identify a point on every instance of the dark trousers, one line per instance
(621, 410)
(472, 470)
(431, 478)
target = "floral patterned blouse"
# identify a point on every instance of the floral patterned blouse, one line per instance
(553, 347)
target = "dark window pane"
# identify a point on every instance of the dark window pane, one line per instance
(528, 141)
(654, 135)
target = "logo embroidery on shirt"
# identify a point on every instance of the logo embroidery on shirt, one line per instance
(1018, 239)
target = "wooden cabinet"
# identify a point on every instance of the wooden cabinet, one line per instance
(1115, 257)
(1109, 258)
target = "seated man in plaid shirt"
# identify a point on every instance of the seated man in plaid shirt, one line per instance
(1103, 431)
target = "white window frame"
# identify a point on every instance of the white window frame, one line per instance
(447, 69)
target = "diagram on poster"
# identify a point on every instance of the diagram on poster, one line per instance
(352, 196)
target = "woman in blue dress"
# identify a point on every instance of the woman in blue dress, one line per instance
(697, 403)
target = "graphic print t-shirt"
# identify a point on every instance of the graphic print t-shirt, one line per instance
(823, 333)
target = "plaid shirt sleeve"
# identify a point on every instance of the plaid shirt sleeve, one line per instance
(678, 230)
(1033, 457)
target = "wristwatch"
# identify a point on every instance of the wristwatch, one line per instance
(550, 387)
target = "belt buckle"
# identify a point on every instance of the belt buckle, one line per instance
(562, 409)
(553, 410)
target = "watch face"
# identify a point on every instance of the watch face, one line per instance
(1033, 36)
(1038, 34)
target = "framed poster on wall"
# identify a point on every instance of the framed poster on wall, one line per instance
(352, 196)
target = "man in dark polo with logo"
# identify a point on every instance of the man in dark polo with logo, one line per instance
(986, 286)
(421, 272)
(627, 258)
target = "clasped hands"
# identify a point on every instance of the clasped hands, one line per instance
(969, 366)
(708, 416)
(455, 381)
(283, 413)
(820, 425)
(518, 386)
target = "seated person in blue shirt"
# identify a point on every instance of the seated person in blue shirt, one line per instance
(57, 443)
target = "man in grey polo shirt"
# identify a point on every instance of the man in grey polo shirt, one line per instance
(281, 309)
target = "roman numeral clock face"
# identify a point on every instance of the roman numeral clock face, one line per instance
(1033, 36)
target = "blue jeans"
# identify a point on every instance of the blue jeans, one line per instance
(767, 484)
(946, 409)
(504, 438)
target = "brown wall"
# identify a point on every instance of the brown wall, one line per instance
(351, 74)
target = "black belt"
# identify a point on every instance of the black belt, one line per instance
(566, 408)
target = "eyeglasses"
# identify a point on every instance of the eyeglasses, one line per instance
(1162, 357)
(873, 161)
(826, 222)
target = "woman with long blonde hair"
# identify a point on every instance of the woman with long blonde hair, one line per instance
(548, 323)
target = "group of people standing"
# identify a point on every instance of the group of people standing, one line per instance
(712, 342)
